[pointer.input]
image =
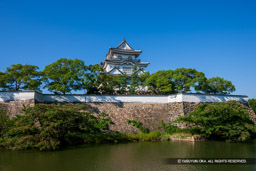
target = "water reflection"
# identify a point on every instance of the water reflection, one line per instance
(129, 156)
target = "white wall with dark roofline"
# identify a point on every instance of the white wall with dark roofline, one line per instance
(127, 98)
(212, 98)
(16, 96)
(70, 98)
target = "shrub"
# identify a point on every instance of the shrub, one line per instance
(151, 136)
(228, 121)
(138, 125)
(171, 129)
(252, 103)
(5, 123)
(50, 127)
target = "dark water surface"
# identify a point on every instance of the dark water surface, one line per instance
(129, 156)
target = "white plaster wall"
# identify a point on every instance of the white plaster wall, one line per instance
(125, 46)
(175, 98)
(211, 98)
(48, 98)
(109, 67)
(128, 99)
(39, 97)
(16, 96)
(115, 56)
(115, 71)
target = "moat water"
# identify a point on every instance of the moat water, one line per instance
(129, 156)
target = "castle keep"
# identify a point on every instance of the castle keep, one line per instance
(122, 59)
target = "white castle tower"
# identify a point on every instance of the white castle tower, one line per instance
(122, 59)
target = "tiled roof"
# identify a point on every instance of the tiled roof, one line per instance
(116, 69)
(126, 61)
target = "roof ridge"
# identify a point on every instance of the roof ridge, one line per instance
(124, 41)
(115, 68)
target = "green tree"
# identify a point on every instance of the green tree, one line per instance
(161, 82)
(185, 78)
(122, 81)
(143, 89)
(252, 103)
(135, 81)
(64, 75)
(217, 85)
(143, 76)
(50, 127)
(90, 79)
(5, 123)
(228, 121)
(21, 77)
(3, 81)
(106, 83)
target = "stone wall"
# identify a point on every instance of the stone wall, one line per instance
(149, 114)
(13, 108)
(189, 107)
(150, 110)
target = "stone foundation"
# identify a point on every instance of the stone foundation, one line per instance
(149, 114)
(13, 108)
(150, 110)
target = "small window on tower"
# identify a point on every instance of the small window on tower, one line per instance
(129, 58)
(119, 57)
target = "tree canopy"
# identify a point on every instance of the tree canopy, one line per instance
(122, 82)
(135, 81)
(64, 75)
(252, 103)
(171, 81)
(228, 121)
(67, 75)
(91, 79)
(217, 85)
(21, 77)
(185, 78)
(161, 82)
(3, 81)
(106, 83)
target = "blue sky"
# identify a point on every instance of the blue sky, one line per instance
(214, 37)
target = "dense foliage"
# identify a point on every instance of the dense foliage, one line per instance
(217, 85)
(69, 75)
(5, 123)
(64, 75)
(50, 127)
(185, 78)
(138, 125)
(228, 121)
(161, 82)
(20, 77)
(122, 83)
(252, 103)
(90, 80)
(171, 129)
